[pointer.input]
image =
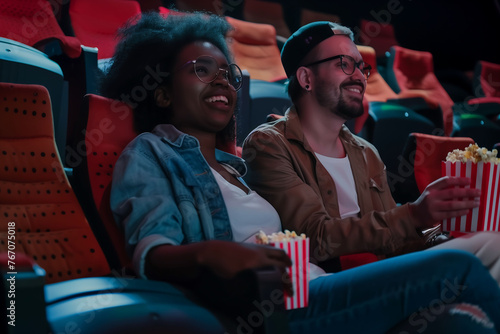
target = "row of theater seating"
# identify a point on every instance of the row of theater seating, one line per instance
(407, 97)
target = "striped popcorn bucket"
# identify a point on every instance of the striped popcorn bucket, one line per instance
(484, 176)
(298, 251)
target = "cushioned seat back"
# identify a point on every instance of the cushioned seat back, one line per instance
(255, 49)
(387, 128)
(484, 132)
(35, 195)
(429, 152)
(487, 79)
(96, 22)
(379, 36)
(33, 23)
(108, 128)
(421, 163)
(377, 88)
(22, 64)
(410, 73)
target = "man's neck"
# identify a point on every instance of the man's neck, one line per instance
(322, 129)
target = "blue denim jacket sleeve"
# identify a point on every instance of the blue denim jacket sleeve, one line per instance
(142, 203)
(164, 193)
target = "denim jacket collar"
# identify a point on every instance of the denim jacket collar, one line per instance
(176, 138)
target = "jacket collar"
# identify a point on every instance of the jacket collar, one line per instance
(170, 134)
(293, 131)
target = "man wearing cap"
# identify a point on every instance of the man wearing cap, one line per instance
(330, 184)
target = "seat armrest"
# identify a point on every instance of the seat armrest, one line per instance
(250, 302)
(23, 294)
(58, 292)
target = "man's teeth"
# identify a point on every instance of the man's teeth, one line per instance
(357, 90)
(220, 98)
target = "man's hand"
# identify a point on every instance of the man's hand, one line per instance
(444, 198)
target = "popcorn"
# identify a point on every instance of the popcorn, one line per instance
(297, 248)
(473, 153)
(262, 238)
(483, 168)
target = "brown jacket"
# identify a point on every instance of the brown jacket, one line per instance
(285, 171)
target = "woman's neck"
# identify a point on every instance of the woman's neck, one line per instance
(207, 146)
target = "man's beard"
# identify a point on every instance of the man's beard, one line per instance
(348, 110)
(340, 108)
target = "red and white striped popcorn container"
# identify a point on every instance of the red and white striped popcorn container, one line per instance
(484, 176)
(298, 251)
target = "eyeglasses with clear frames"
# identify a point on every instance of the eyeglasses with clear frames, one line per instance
(207, 70)
(347, 64)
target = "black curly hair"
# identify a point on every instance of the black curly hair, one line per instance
(145, 54)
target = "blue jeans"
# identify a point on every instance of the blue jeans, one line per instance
(375, 297)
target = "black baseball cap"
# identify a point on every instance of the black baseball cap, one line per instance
(301, 42)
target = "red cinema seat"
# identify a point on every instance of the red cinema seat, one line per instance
(410, 73)
(33, 23)
(96, 22)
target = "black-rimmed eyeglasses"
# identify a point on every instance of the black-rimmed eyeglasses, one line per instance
(207, 70)
(347, 64)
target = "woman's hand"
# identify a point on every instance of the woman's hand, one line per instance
(444, 198)
(226, 259)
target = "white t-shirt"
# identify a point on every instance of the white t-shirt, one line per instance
(251, 212)
(341, 173)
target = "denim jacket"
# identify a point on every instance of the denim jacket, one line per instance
(163, 192)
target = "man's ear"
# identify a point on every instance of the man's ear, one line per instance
(162, 97)
(304, 77)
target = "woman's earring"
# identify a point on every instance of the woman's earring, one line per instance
(307, 87)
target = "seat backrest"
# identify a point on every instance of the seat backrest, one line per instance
(377, 88)
(96, 22)
(35, 195)
(430, 150)
(33, 23)
(487, 79)
(255, 49)
(484, 132)
(387, 128)
(421, 162)
(106, 128)
(269, 12)
(410, 73)
(263, 98)
(381, 37)
(22, 64)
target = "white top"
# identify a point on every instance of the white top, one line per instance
(341, 173)
(251, 212)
